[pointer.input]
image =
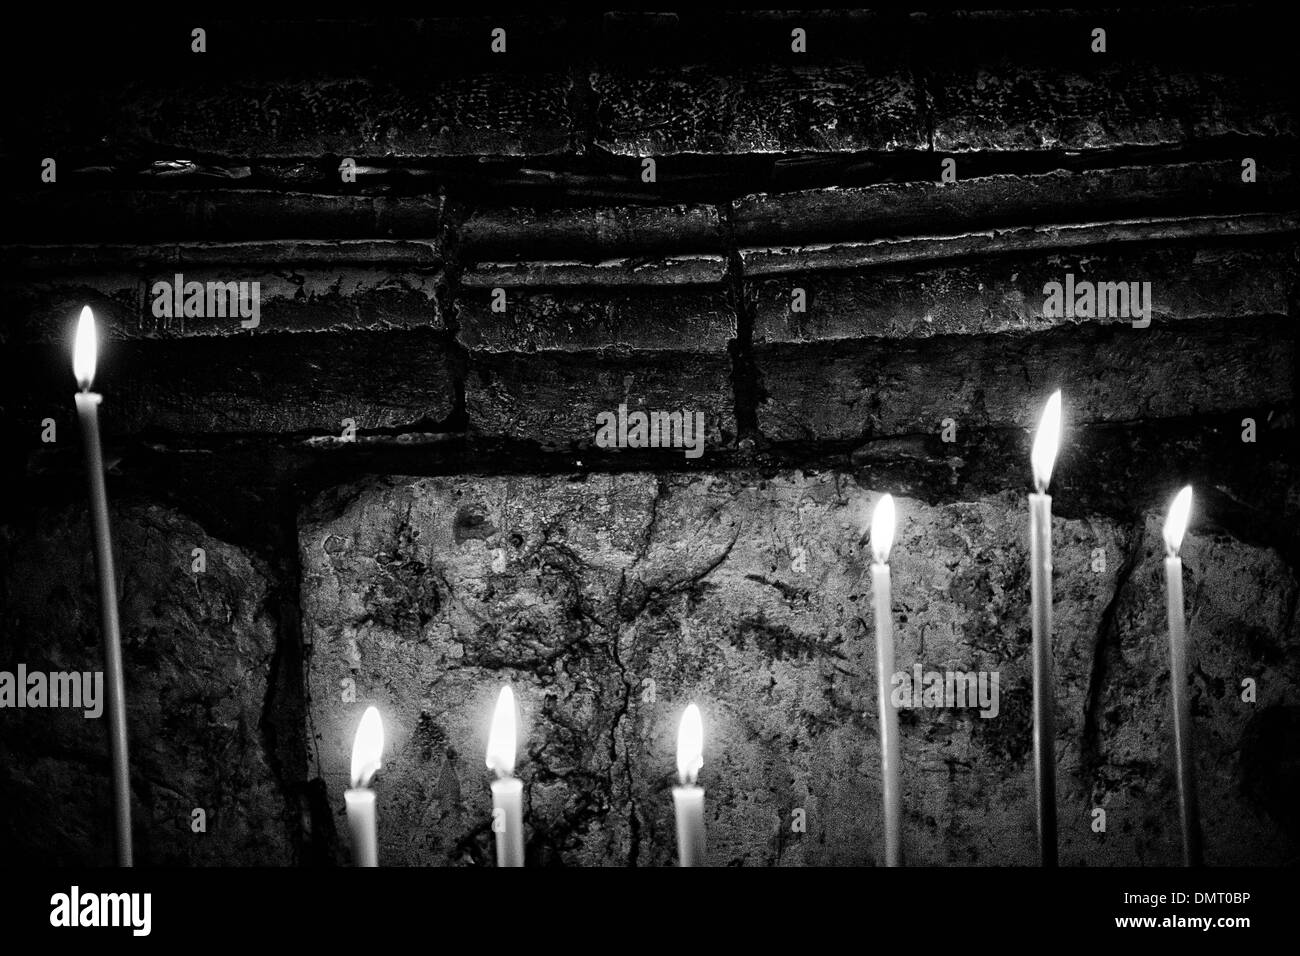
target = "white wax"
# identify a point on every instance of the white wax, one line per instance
(1187, 806)
(508, 820)
(88, 413)
(889, 756)
(1040, 588)
(689, 801)
(361, 824)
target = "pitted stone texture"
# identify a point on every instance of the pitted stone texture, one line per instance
(842, 108)
(1241, 623)
(554, 398)
(428, 596)
(197, 652)
(609, 603)
(879, 387)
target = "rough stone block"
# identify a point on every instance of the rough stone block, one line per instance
(610, 602)
(659, 305)
(553, 398)
(844, 391)
(197, 657)
(842, 108)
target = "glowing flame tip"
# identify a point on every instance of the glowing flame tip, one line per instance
(1046, 442)
(367, 748)
(1176, 520)
(502, 738)
(84, 349)
(882, 529)
(690, 745)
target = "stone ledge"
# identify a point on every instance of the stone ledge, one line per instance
(887, 296)
(274, 384)
(304, 286)
(884, 387)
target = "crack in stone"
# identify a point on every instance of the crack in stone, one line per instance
(1106, 641)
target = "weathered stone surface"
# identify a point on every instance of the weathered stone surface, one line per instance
(104, 214)
(197, 650)
(597, 233)
(1005, 293)
(699, 110)
(676, 304)
(981, 201)
(610, 602)
(485, 113)
(302, 286)
(244, 384)
(1021, 108)
(553, 398)
(848, 390)
(1241, 623)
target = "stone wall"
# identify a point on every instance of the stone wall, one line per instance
(394, 476)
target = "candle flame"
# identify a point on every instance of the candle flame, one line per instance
(690, 745)
(1046, 441)
(84, 349)
(501, 739)
(882, 529)
(1176, 520)
(367, 748)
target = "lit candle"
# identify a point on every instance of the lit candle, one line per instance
(367, 757)
(83, 367)
(1175, 526)
(882, 539)
(1042, 458)
(507, 790)
(689, 798)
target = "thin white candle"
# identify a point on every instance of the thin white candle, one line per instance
(882, 539)
(84, 355)
(1175, 527)
(1042, 458)
(367, 758)
(688, 799)
(507, 790)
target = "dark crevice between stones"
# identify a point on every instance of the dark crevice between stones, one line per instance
(592, 175)
(448, 295)
(1106, 654)
(744, 372)
(616, 724)
(285, 714)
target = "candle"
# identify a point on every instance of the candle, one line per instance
(882, 539)
(367, 755)
(507, 791)
(1042, 458)
(689, 798)
(83, 367)
(1175, 526)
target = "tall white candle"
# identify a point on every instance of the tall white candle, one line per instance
(1175, 527)
(367, 757)
(1043, 457)
(688, 798)
(507, 791)
(882, 539)
(83, 367)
